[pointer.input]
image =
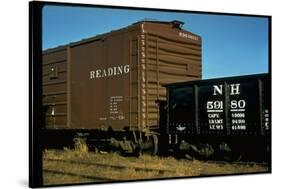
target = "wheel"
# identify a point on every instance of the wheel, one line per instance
(155, 144)
(150, 146)
(232, 157)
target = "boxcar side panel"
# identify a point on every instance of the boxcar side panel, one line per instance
(102, 78)
(54, 88)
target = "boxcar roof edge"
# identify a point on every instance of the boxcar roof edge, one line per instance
(100, 36)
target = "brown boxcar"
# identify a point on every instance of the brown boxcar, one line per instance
(114, 79)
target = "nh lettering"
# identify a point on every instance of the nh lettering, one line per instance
(234, 89)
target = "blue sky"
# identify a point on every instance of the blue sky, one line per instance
(231, 45)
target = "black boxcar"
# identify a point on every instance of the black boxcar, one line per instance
(219, 116)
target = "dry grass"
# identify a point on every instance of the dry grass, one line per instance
(79, 166)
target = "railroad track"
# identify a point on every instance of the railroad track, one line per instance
(158, 172)
(161, 171)
(96, 178)
(114, 172)
(244, 163)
